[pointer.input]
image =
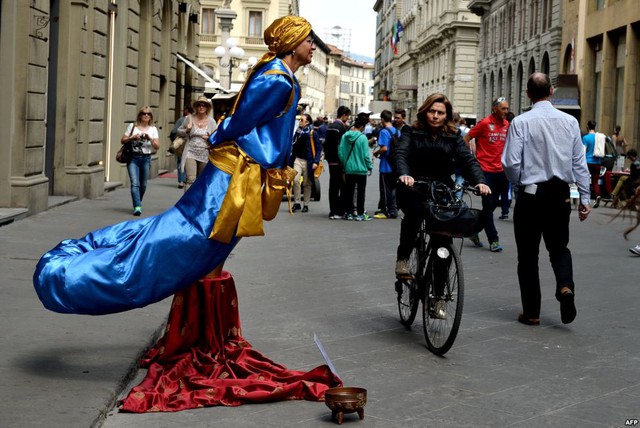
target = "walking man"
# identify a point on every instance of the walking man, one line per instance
(334, 134)
(490, 135)
(543, 155)
(387, 139)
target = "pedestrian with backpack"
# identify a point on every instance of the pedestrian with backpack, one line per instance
(387, 141)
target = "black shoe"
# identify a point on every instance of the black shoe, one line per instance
(567, 306)
(296, 207)
(504, 217)
(305, 209)
(597, 204)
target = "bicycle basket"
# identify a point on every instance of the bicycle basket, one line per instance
(447, 215)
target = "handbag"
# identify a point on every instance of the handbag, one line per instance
(178, 144)
(125, 153)
(318, 171)
(450, 216)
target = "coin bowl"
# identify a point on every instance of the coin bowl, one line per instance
(345, 400)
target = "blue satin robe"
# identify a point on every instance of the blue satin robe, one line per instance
(135, 263)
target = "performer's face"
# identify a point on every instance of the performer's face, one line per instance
(304, 51)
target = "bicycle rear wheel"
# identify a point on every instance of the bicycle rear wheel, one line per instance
(407, 288)
(442, 310)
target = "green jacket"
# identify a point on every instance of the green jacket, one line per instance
(359, 161)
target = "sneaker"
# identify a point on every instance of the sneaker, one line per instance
(363, 217)
(439, 310)
(504, 217)
(597, 204)
(295, 208)
(137, 211)
(180, 185)
(402, 268)
(567, 306)
(475, 240)
(348, 217)
(336, 217)
(495, 247)
(305, 209)
(635, 250)
(380, 215)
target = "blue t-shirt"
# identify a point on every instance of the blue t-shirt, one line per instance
(589, 142)
(385, 140)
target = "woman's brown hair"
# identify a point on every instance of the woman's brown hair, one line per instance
(448, 127)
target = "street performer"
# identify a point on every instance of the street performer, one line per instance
(136, 263)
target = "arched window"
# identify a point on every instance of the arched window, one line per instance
(518, 91)
(545, 63)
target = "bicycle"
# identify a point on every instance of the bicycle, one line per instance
(440, 288)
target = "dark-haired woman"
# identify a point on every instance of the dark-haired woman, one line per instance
(429, 152)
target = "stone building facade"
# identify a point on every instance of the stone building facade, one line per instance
(247, 27)
(436, 53)
(75, 73)
(609, 65)
(517, 37)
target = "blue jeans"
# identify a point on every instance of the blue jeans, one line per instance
(182, 176)
(138, 174)
(498, 183)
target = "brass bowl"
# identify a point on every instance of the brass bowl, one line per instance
(345, 400)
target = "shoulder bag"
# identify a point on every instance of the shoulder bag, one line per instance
(318, 171)
(125, 153)
(178, 143)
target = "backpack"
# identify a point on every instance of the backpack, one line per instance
(391, 149)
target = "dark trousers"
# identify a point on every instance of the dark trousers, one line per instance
(353, 180)
(498, 183)
(387, 203)
(336, 189)
(543, 215)
(413, 214)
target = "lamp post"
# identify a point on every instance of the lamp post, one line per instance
(232, 54)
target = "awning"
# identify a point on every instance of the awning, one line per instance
(210, 82)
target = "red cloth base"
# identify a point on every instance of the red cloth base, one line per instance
(202, 359)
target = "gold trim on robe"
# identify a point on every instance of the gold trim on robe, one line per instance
(254, 193)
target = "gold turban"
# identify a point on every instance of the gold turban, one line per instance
(282, 36)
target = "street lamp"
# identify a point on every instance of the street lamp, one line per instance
(233, 54)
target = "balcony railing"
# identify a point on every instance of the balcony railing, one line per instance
(214, 39)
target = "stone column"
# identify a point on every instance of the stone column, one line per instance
(631, 88)
(226, 17)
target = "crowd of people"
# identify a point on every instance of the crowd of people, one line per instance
(490, 154)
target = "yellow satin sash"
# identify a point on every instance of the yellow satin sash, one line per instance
(254, 194)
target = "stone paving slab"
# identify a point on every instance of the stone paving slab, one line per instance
(335, 278)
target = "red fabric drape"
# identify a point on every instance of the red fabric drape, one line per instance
(202, 359)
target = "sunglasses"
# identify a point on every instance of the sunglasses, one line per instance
(202, 105)
(144, 113)
(499, 100)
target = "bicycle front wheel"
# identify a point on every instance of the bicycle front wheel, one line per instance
(407, 288)
(442, 308)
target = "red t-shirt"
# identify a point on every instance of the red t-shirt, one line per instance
(490, 134)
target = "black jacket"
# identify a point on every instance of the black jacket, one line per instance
(419, 156)
(334, 134)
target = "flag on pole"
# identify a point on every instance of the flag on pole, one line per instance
(399, 31)
(394, 36)
(396, 33)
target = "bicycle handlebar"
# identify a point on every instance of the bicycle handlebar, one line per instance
(455, 188)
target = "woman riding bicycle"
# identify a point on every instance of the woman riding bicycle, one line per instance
(429, 152)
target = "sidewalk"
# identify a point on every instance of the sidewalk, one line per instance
(65, 370)
(335, 278)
